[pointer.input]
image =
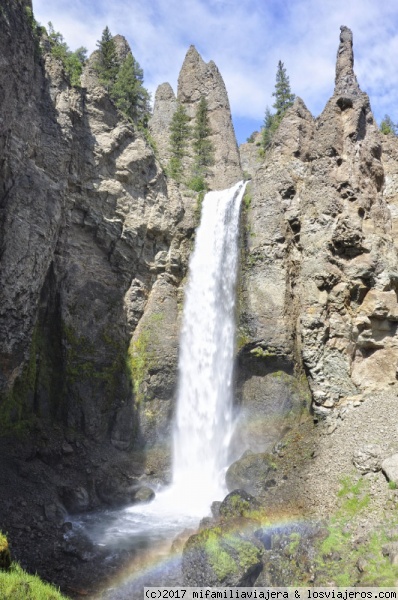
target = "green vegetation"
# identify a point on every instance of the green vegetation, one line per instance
(123, 80)
(226, 551)
(387, 126)
(140, 356)
(107, 64)
(295, 538)
(338, 555)
(5, 558)
(72, 62)
(259, 352)
(16, 584)
(184, 137)
(179, 137)
(247, 198)
(283, 100)
(16, 405)
(202, 145)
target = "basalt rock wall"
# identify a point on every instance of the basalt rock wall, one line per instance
(89, 228)
(319, 278)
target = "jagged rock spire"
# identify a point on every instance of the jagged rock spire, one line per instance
(164, 107)
(198, 78)
(346, 81)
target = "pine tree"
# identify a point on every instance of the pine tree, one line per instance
(107, 65)
(387, 126)
(72, 61)
(282, 94)
(128, 91)
(269, 128)
(179, 137)
(283, 100)
(123, 80)
(202, 146)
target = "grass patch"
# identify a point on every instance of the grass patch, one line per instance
(16, 584)
(339, 553)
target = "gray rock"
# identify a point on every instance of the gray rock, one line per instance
(75, 499)
(251, 473)
(367, 458)
(391, 550)
(144, 495)
(198, 78)
(238, 503)
(390, 468)
(230, 560)
(55, 512)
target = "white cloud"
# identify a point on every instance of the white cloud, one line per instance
(246, 38)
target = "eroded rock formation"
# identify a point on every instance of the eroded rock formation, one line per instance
(319, 282)
(197, 79)
(94, 248)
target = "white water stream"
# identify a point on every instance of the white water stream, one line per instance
(204, 415)
(205, 399)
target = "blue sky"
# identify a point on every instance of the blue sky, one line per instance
(246, 38)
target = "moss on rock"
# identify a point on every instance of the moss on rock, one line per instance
(5, 556)
(223, 555)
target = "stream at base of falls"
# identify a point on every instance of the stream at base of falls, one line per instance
(204, 419)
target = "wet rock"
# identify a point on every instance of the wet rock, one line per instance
(251, 473)
(215, 508)
(75, 499)
(221, 557)
(79, 546)
(116, 489)
(55, 512)
(290, 553)
(143, 495)
(237, 504)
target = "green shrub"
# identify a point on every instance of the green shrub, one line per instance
(197, 184)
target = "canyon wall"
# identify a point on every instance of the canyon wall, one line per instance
(319, 287)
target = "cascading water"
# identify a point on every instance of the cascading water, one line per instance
(204, 409)
(204, 420)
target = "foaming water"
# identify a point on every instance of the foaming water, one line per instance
(204, 421)
(204, 415)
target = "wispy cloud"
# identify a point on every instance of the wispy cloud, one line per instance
(246, 38)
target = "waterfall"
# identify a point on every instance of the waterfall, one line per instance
(204, 420)
(204, 415)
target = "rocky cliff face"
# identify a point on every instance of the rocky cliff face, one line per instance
(319, 282)
(94, 248)
(197, 79)
(85, 211)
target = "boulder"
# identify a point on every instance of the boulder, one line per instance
(237, 504)
(391, 550)
(390, 468)
(251, 473)
(75, 499)
(143, 495)
(367, 458)
(220, 556)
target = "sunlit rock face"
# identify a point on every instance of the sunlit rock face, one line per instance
(319, 282)
(197, 79)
